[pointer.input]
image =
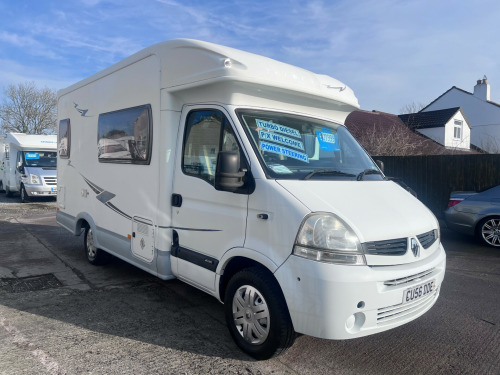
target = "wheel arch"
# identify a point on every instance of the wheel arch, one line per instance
(82, 221)
(482, 218)
(236, 260)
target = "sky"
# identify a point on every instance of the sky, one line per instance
(390, 52)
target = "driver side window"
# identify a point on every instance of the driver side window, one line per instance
(207, 132)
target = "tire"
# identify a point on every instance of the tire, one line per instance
(24, 195)
(488, 231)
(1, 187)
(257, 315)
(95, 256)
(8, 193)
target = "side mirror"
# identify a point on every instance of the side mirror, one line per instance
(228, 176)
(380, 164)
(20, 169)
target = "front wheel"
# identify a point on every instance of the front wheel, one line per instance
(489, 231)
(95, 256)
(257, 315)
(24, 195)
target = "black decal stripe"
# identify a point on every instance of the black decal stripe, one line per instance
(105, 196)
(95, 188)
(117, 210)
(200, 260)
(189, 229)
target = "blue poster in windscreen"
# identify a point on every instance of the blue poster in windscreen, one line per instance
(32, 155)
(328, 141)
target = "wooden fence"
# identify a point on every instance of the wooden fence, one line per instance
(435, 177)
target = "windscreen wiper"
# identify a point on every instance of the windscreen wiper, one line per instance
(361, 176)
(333, 172)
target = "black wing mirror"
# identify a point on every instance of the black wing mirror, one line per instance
(228, 176)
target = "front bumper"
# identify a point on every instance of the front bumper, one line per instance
(40, 190)
(342, 302)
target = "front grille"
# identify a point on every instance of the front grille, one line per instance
(51, 181)
(427, 239)
(395, 313)
(388, 247)
(409, 279)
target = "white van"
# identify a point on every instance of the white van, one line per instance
(29, 165)
(233, 172)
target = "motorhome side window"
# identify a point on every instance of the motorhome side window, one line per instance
(207, 132)
(64, 139)
(125, 136)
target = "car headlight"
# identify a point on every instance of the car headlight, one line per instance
(437, 232)
(326, 238)
(34, 179)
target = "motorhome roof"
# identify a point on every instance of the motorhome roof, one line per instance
(32, 141)
(187, 63)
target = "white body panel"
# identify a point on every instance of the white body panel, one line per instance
(183, 226)
(13, 179)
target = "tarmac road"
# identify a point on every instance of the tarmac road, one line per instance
(61, 315)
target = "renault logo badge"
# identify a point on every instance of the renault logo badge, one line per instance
(415, 247)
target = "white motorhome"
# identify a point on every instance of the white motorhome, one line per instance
(29, 165)
(233, 172)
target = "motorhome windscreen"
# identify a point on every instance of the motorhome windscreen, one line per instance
(297, 147)
(45, 159)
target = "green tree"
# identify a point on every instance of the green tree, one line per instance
(28, 109)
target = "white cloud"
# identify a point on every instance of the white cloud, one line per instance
(16, 40)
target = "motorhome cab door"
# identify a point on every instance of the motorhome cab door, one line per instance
(207, 222)
(17, 171)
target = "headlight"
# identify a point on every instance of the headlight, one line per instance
(326, 238)
(437, 232)
(34, 179)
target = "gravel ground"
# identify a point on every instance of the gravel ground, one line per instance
(61, 315)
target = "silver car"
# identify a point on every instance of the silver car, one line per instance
(476, 214)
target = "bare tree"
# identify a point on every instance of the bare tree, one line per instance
(490, 145)
(411, 108)
(28, 109)
(391, 141)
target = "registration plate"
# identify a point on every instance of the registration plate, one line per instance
(419, 291)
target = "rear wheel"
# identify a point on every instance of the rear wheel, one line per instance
(8, 192)
(489, 231)
(95, 256)
(257, 315)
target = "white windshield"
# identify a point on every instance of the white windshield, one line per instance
(296, 147)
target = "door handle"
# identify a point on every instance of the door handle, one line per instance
(176, 200)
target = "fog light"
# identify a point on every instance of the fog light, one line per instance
(349, 324)
(354, 323)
